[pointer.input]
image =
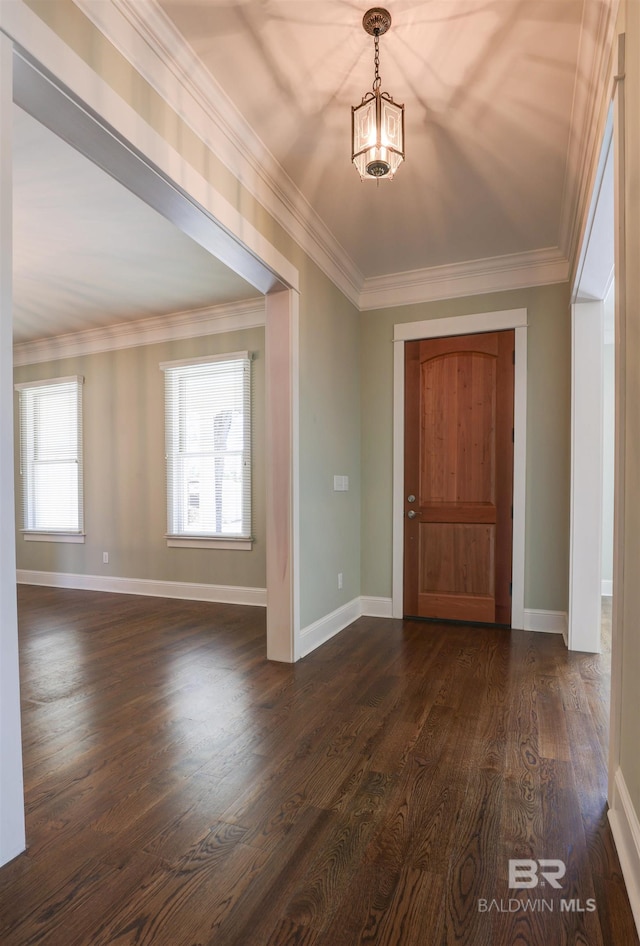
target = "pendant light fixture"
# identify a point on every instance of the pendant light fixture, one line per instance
(377, 124)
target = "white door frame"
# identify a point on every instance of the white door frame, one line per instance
(594, 276)
(154, 179)
(43, 75)
(439, 328)
(585, 547)
(12, 833)
(619, 519)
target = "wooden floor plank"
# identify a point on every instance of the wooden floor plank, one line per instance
(182, 790)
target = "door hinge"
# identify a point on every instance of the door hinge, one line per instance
(514, 356)
(513, 435)
(510, 589)
(512, 511)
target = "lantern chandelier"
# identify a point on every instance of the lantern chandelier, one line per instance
(377, 124)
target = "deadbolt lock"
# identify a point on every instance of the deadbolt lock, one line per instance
(411, 498)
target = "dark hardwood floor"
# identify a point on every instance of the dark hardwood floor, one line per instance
(182, 791)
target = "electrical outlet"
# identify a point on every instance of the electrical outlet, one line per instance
(105, 558)
(339, 581)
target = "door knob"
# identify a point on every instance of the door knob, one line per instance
(411, 514)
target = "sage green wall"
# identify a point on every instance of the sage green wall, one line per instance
(329, 346)
(629, 645)
(548, 435)
(329, 445)
(124, 469)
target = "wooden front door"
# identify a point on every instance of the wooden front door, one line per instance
(459, 477)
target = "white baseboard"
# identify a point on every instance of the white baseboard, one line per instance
(607, 587)
(328, 626)
(625, 828)
(312, 636)
(376, 607)
(548, 622)
(190, 591)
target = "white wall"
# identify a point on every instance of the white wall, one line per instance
(608, 432)
(12, 833)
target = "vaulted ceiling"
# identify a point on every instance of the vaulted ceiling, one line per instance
(500, 97)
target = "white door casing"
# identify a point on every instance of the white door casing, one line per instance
(464, 325)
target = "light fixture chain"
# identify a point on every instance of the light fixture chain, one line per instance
(376, 61)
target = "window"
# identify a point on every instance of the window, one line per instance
(51, 457)
(208, 449)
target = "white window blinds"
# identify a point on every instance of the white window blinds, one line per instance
(208, 446)
(51, 455)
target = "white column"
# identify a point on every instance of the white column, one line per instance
(12, 834)
(282, 476)
(585, 587)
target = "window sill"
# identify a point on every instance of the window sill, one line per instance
(77, 537)
(208, 542)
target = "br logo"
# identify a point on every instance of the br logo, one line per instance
(525, 873)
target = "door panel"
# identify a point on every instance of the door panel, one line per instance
(459, 467)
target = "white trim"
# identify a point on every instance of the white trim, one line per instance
(189, 591)
(328, 626)
(546, 622)
(397, 559)
(12, 829)
(213, 320)
(519, 478)
(149, 40)
(208, 542)
(592, 95)
(461, 325)
(619, 629)
(205, 360)
(48, 382)
(594, 224)
(625, 828)
(587, 451)
(374, 607)
(135, 154)
(71, 537)
(226, 233)
(607, 588)
(464, 325)
(472, 277)
(282, 425)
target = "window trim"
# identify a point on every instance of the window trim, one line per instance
(208, 541)
(30, 534)
(194, 540)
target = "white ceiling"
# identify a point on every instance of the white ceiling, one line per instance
(488, 88)
(494, 91)
(88, 253)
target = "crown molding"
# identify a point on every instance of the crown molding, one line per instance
(214, 320)
(475, 277)
(147, 38)
(591, 99)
